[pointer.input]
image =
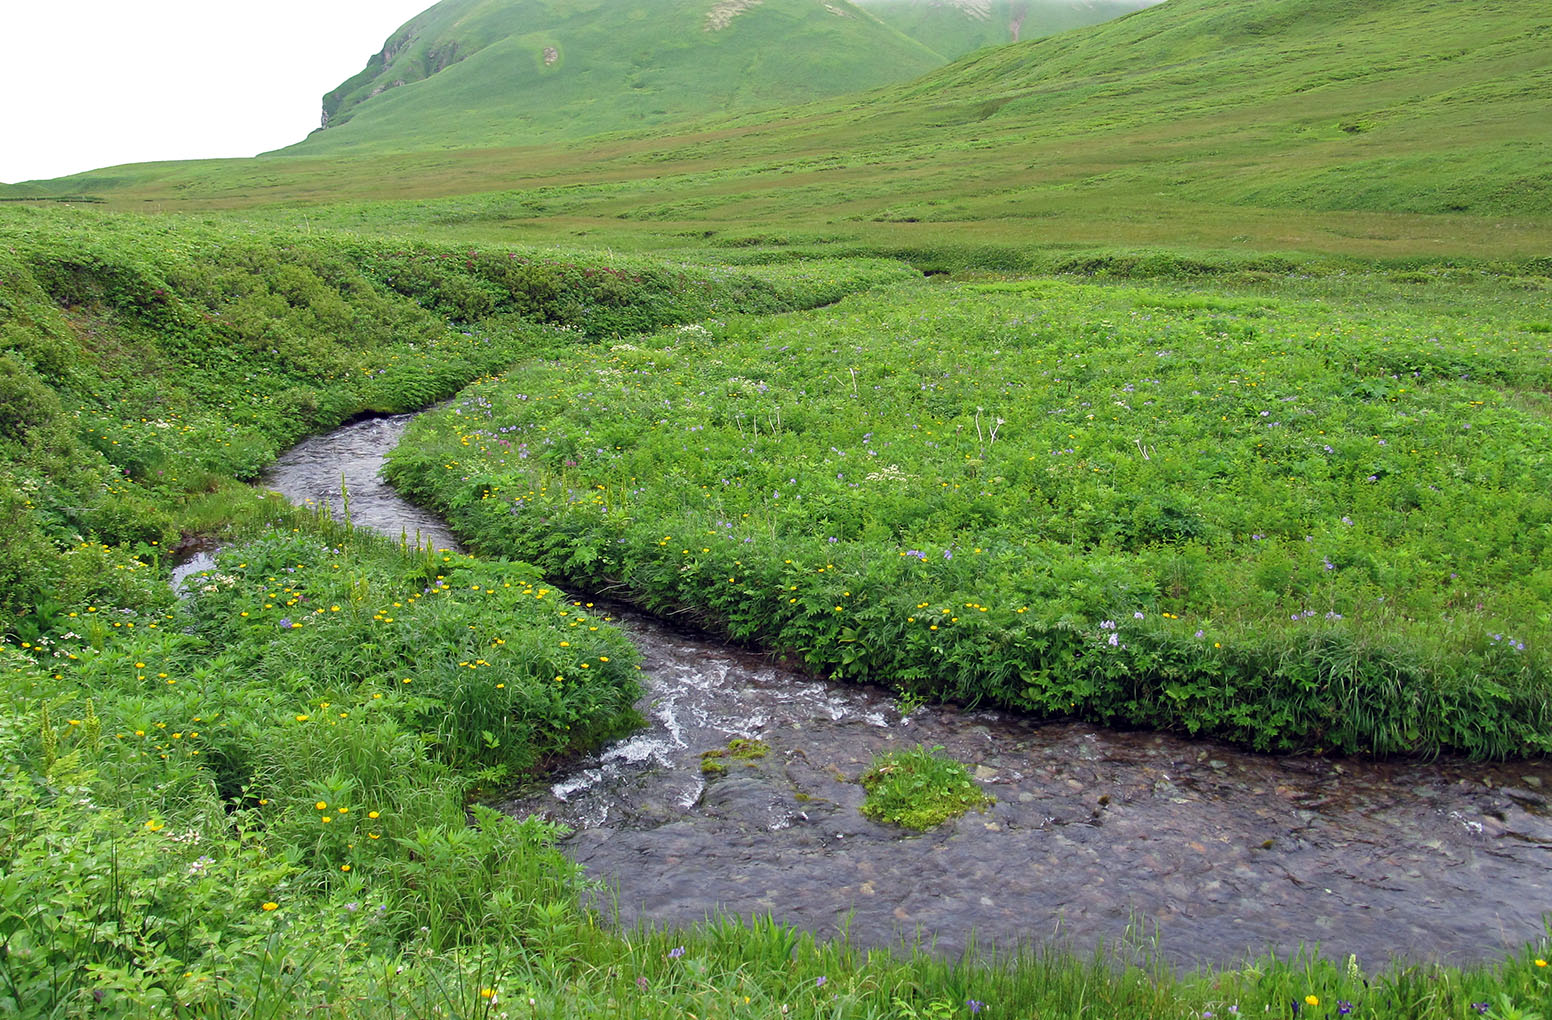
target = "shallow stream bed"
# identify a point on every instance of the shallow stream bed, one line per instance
(1093, 831)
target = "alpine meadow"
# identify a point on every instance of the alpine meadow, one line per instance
(1179, 370)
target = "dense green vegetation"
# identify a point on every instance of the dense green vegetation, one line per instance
(216, 812)
(1221, 509)
(213, 812)
(143, 362)
(1170, 471)
(253, 801)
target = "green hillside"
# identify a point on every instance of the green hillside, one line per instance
(957, 27)
(507, 72)
(1322, 104)
(1396, 129)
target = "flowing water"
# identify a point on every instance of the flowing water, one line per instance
(1216, 851)
(338, 471)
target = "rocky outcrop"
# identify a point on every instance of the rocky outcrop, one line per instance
(723, 12)
(339, 104)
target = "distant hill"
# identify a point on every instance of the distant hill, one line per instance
(470, 73)
(506, 72)
(1386, 127)
(956, 27)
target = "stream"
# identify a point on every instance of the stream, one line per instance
(1214, 851)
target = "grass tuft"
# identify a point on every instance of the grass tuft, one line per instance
(919, 789)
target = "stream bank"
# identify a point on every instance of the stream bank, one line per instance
(1093, 832)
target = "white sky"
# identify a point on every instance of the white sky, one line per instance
(93, 83)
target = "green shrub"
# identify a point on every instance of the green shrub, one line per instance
(26, 402)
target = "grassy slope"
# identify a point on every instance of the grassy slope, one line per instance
(1393, 129)
(614, 66)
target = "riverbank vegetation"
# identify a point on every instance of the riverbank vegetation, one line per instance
(145, 362)
(254, 801)
(1235, 508)
(263, 798)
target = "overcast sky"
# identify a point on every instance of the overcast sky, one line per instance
(93, 83)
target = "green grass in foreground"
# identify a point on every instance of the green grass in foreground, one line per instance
(236, 806)
(212, 812)
(1238, 512)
